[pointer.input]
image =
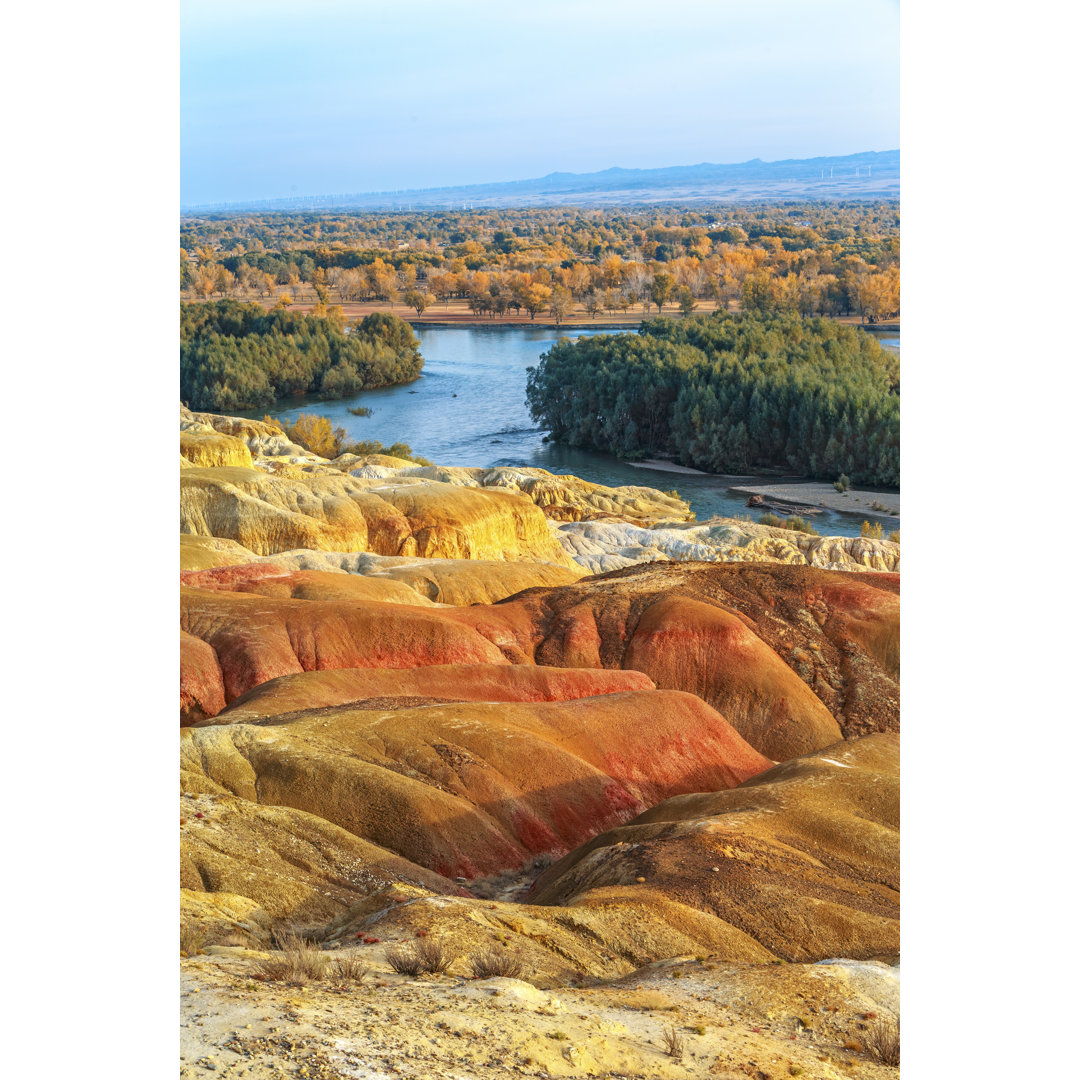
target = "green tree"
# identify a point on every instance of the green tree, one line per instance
(661, 289)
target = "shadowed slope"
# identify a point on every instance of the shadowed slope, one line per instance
(452, 682)
(804, 858)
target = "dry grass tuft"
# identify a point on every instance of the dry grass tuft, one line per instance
(674, 1044)
(420, 957)
(192, 939)
(405, 959)
(349, 969)
(299, 962)
(434, 956)
(883, 1041)
(496, 963)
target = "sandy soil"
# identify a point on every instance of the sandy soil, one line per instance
(812, 493)
(734, 1021)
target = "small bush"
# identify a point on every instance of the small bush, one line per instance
(883, 1041)
(434, 957)
(373, 446)
(316, 434)
(798, 524)
(359, 410)
(558, 1035)
(843, 483)
(496, 963)
(192, 940)
(299, 962)
(674, 1044)
(871, 532)
(853, 1045)
(771, 519)
(349, 969)
(698, 1029)
(894, 536)
(405, 959)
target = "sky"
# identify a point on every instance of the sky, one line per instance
(331, 96)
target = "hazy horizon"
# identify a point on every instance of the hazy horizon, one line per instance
(355, 98)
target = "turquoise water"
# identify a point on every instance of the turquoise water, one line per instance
(468, 408)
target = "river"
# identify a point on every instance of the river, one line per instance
(468, 408)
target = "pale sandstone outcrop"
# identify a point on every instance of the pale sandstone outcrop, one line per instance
(211, 450)
(205, 552)
(602, 546)
(334, 512)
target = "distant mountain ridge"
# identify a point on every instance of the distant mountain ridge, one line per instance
(873, 174)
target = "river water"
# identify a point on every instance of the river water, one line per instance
(468, 408)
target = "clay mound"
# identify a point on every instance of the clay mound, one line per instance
(205, 552)
(462, 582)
(269, 578)
(328, 511)
(457, 582)
(288, 863)
(453, 682)
(202, 693)
(806, 856)
(255, 639)
(837, 633)
(554, 944)
(476, 788)
(209, 451)
(773, 648)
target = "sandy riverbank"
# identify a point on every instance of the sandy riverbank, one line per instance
(813, 493)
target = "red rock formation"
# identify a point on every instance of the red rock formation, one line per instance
(785, 653)
(475, 788)
(454, 682)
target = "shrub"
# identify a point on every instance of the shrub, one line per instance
(299, 962)
(496, 963)
(315, 433)
(360, 410)
(883, 1041)
(771, 519)
(871, 532)
(373, 446)
(798, 524)
(674, 1044)
(843, 483)
(405, 959)
(894, 536)
(349, 969)
(192, 939)
(434, 957)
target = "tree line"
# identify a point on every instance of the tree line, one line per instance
(238, 356)
(832, 259)
(729, 394)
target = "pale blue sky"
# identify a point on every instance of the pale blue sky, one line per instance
(331, 96)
